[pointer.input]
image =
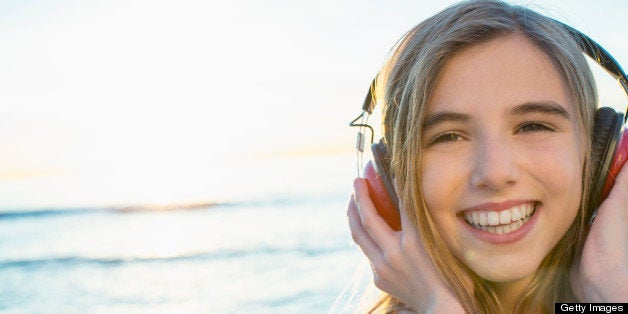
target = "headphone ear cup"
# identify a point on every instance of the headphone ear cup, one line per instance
(381, 190)
(382, 163)
(604, 133)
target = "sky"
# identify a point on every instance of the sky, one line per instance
(137, 101)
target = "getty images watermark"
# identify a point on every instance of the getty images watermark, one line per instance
(591, 307)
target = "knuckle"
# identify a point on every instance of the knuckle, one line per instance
(380, 269)
(379, 282)
(408, 244)
(376, 266)
(394, 257)
(354, 237)
(368, 225)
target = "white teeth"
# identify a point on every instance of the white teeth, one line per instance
(507, 228)
(476, 217)
(483, 218)
(504, 217)
(501, 222)
(493, 218)
(516, 213)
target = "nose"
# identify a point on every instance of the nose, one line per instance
(494, 165)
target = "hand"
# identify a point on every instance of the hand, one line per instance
(601, 272)
(399, 261)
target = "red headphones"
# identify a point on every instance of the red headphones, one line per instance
(609, 151)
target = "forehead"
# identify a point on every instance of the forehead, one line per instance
(497, 75)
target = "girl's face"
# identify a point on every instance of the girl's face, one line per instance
(503, 158)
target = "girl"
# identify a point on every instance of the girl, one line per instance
(487, 114)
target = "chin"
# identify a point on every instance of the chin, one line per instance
(506, 270)
(506, 277)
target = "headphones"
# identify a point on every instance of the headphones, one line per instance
(609, 143)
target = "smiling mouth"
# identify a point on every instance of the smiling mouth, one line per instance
(500, 222)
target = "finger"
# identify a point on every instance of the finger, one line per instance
(620, 188)
(411, 235)
(372, 222)
(406, 224)
(614, 209)
(360, 236)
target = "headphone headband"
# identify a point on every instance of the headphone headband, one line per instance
(599, 54)
(587, 45)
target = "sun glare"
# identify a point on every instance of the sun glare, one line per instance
(104, 102)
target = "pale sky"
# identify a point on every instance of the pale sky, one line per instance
(127, 101)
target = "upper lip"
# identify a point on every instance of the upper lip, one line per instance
(497, 206)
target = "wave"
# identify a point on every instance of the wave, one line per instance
(204, 256)
(279, 201)
(46, 213)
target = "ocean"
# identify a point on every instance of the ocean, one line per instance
(278, 254)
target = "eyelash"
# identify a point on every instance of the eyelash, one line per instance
(527, 127)
(446, 138)
(536, 127)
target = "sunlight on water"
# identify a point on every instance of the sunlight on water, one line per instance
(288, 251)
(235, 180)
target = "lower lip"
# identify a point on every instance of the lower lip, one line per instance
(507, 238)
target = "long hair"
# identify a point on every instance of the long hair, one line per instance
(404, 87)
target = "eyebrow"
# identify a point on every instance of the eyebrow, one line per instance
(441, 117)
(543, 107)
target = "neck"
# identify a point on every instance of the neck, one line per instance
(509, 293)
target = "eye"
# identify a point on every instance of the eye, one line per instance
(534, 126)
(445, 138)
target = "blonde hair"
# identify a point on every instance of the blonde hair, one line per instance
(406, 82)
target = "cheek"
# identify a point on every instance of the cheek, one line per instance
(443, 181)
(555, 172)
(558, 167)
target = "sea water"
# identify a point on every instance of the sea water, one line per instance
(280, 254)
